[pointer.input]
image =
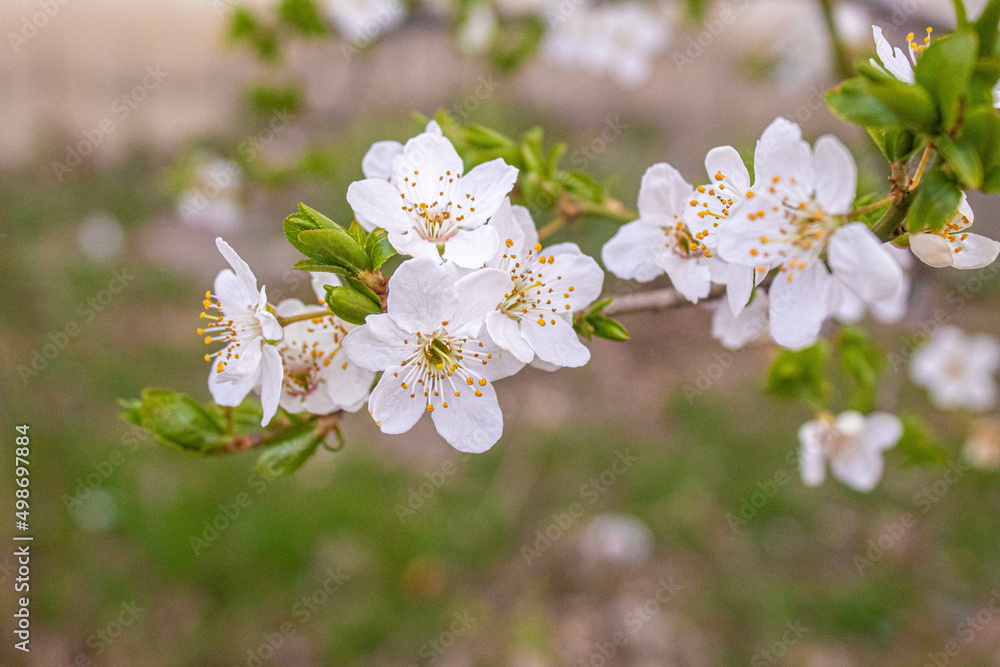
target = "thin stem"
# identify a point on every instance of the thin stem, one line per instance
(841, 57)
(552, 227)
(285, 321)
(653, 300)
(920, 167)
(889, 224)
(961, 18)
(874, 206)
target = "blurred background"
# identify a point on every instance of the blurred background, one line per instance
(643, 510)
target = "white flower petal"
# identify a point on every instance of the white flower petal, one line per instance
(484, 189)
(471, 249)
(377, 344)
(247, 280)
(470, 423)
(377, 202)
(836, 175)
(394, 408)
(727, 161)
(931, 249)
(226, 393)
(882, 431)
(479, 293)
(556, 343)
(421, 296)
(858, 468)
(740, 281)
(975, 252)
(691, 277)
(732, 331)
(378, 161)
(799, 307)
(664, 194)
(506, 333)
(270, 382)
(894, 60)
(859, 259)
(632, 253)
(781, 152)
(812, 462)
(579, 276)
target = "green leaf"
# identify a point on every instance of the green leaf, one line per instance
(982, 131)
(798, 374)
(945, 69)
(853, 102)
(911, 105)
(986, 27)
(302, 15)
(962, 157)
(485, 137)
(292, 448)
(607, 328)
(935, 203)
(333, 246)
(896, 143)
(918, 446)
(379, 249)
(178, 421)
(312, 265)
(304, 220)
(863, 362)
(350, 305)
(517, 39)
(358, 233)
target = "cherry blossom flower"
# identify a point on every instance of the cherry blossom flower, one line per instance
(546, 287)
(429, 208)
(957, 369)
(380, 160)
(361, 21)
(617, 539)
(793, 220)
(435, 358)
(660, 241)
(894, 61)
(243, 324)
(847, 307)
(953, 246)
(736, 331)
(852, 443)
(619, 39)
(318, 376)
(707, 214)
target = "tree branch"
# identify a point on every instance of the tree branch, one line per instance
(654, 301)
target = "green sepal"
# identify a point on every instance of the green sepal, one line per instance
(350, 305)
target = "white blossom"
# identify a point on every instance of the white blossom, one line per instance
(241, 321)
(953, 246)
(958, 369)
(429, 208)
(794, 221)
(361, 21)
(435, 358)
(660, 241)
(852, 443)
(535, 315)
(735, 331)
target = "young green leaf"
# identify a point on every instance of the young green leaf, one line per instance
(350, 305)
(854, 103)
(945, 69)
(935, 203)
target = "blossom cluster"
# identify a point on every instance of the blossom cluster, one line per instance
(478, 300)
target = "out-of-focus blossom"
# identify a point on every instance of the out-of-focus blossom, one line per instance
(852, 443)
(958, 369)
(617, 538)
(361, 21)
(982, 449)
(100, 238)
